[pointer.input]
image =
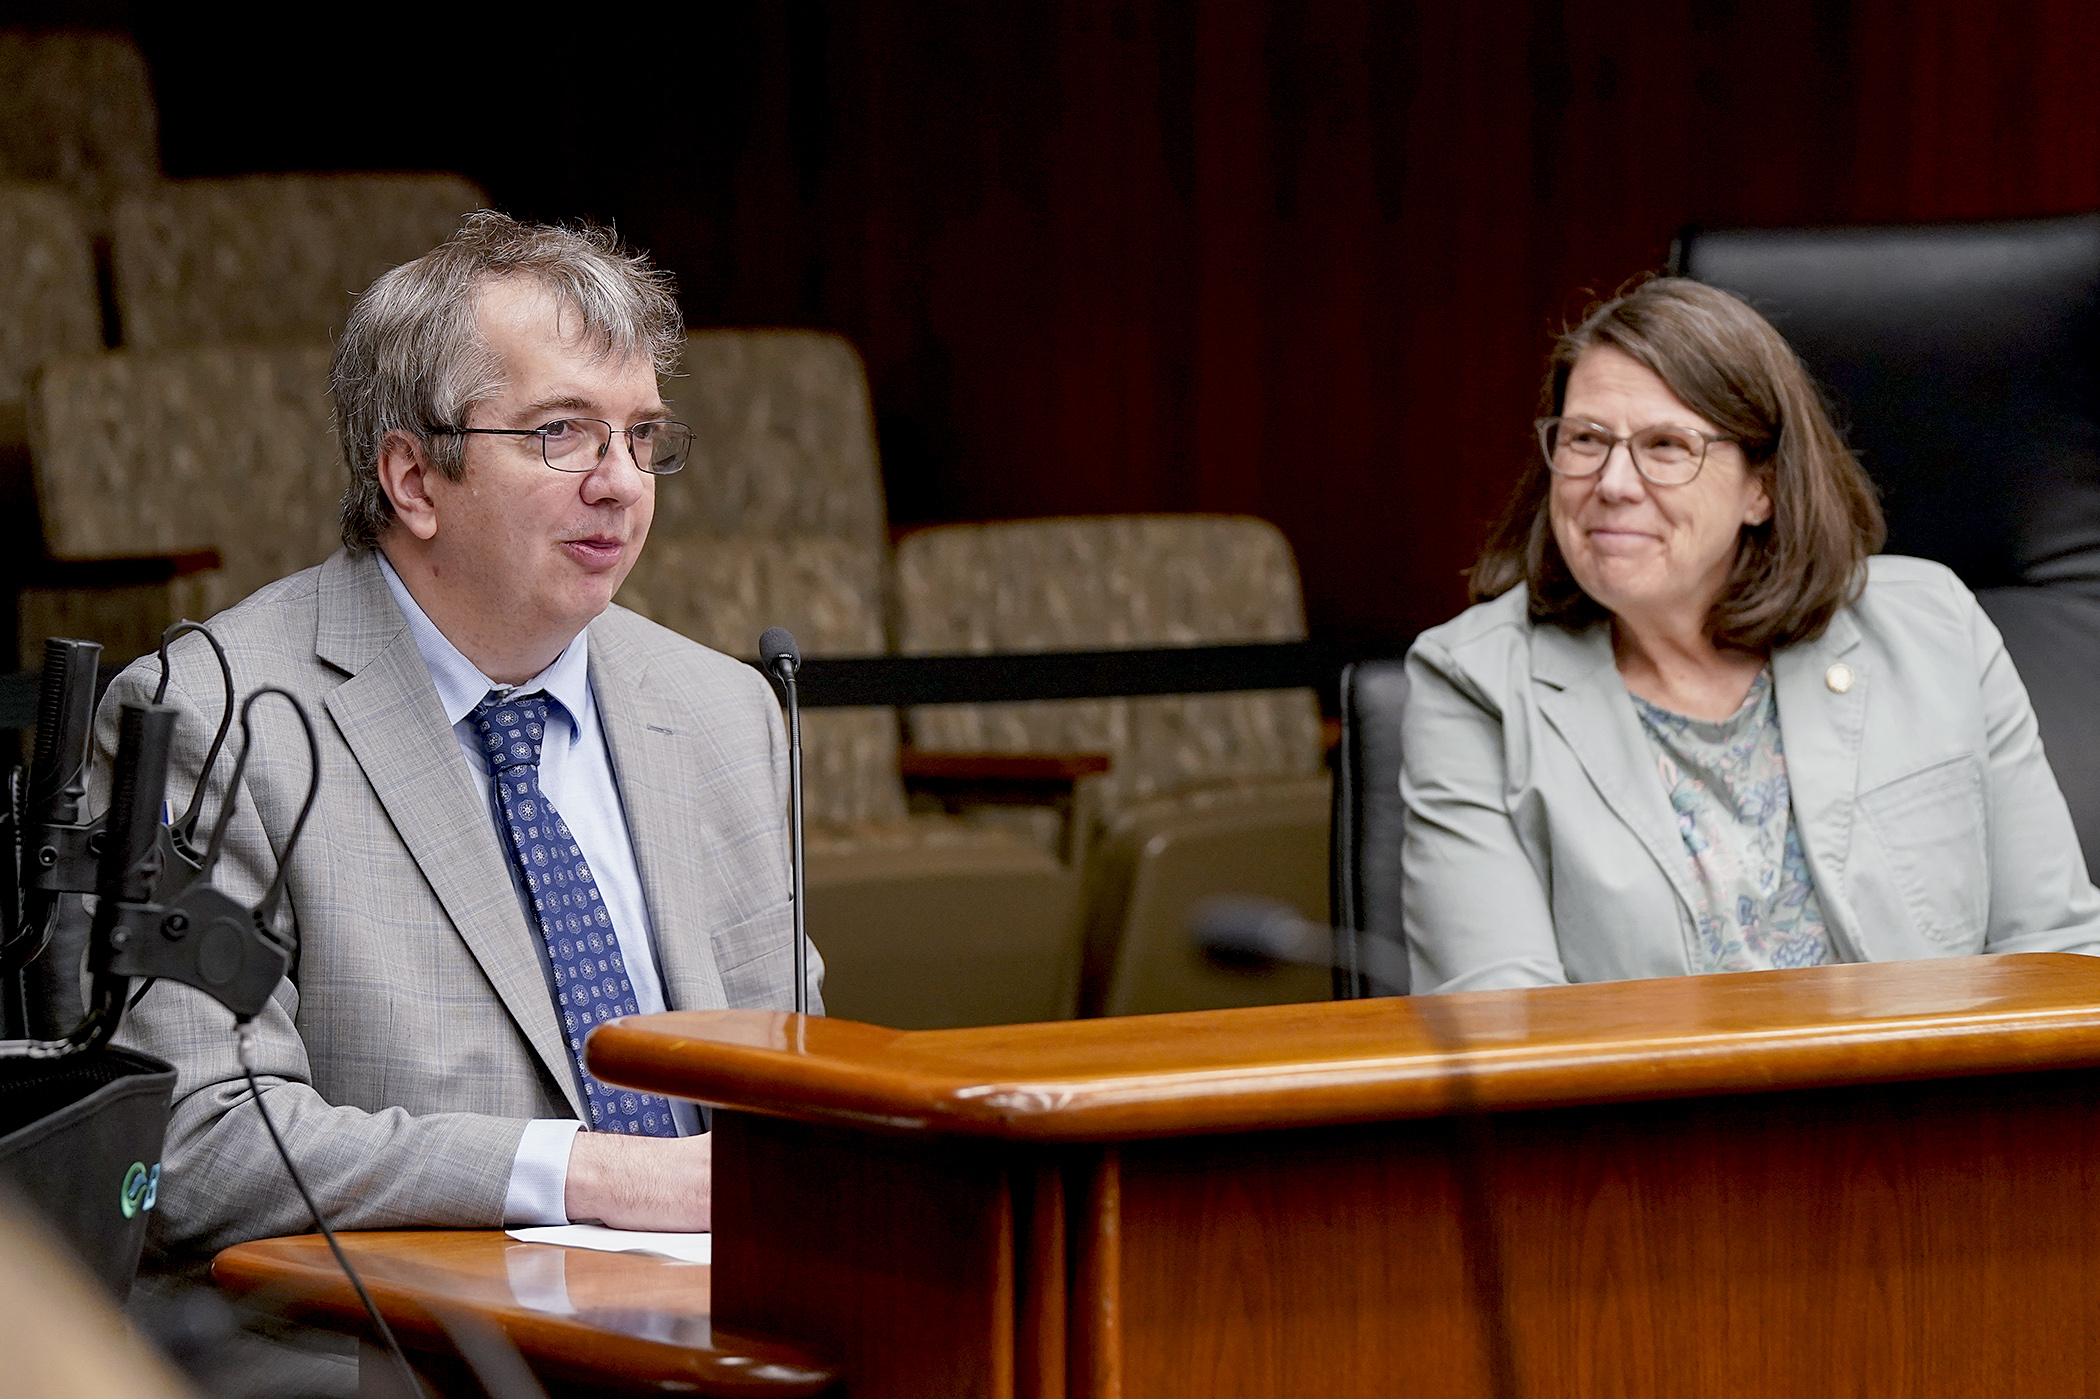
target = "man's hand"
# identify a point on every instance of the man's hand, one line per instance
(657, 1183)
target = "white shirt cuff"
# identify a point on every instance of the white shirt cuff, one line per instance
(539, 1174)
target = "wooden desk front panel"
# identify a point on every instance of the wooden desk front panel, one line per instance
(1932, 1239)
(899, 1251)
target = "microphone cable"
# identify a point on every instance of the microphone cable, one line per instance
(244, 1027)
(182, 834)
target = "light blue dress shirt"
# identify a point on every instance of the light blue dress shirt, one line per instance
(576, 774)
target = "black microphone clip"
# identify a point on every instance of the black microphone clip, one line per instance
(159, 915)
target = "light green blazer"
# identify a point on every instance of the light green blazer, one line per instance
(1541, 847)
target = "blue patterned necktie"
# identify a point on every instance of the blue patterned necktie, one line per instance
(590, 977)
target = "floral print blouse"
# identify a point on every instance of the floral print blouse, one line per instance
(1754, 904)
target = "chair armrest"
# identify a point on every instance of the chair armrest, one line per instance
(125, 572)
(955, 782)
(1047, 769)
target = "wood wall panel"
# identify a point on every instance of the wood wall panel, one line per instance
(1295, 257)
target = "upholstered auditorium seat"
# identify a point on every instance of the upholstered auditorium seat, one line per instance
(1964, 362)
(48, 308)
(224, 450)
(77, 111)
(1208, 794)
(924, 921)
(269, 257)
(783, 440)
(48, 304)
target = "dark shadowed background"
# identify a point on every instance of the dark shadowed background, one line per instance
(1298, 258)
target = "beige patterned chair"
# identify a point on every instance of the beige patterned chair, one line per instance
(48, 308)
(1208, 794)
(924, 921)
(224, 450)
(783, 440)
(77, 111)
(269, 257)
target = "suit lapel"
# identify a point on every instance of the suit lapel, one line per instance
(1822, 729)
(649, 737)
(1586, 702)
(389, 716)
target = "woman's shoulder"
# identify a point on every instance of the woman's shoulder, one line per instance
(1498, 622)
(1914, 608)
(1901, 588)
(1488, 644)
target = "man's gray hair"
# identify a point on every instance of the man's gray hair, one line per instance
(412, 358)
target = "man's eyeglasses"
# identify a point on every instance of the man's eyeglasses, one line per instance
(1665, 455)
(579, 444)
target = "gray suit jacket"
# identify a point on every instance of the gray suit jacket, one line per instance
(417, 1032)
(1541, 846)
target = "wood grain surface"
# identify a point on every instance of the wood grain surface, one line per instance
(900, 1251)
(1928, 1239)
(1359, 1061)
(633, 1323)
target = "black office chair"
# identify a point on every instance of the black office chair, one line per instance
(1364, 863)
(1963, 362)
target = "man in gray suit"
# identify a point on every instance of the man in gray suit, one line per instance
(536, 810)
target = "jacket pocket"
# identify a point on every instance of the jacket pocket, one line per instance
(1931, 828)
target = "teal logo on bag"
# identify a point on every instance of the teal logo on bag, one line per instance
(141, 1188)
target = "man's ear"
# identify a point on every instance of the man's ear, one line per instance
(405, 474)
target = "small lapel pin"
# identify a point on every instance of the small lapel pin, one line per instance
(1838, 678)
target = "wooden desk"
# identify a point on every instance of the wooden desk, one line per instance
(1872, 1180)
(612, 1321)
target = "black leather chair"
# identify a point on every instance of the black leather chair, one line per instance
(1365, 860)
(1963, 362)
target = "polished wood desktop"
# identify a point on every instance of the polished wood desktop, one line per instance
(602, 1321)
(1846, 1180)
(1872, 1180)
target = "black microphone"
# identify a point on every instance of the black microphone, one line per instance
(1245, 933)
(55, 838)
(130, 860)
(781, 659)
(48, 844)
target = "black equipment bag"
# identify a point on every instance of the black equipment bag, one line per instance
(80, 1140)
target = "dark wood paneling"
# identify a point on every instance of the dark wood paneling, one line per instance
(1292, 257)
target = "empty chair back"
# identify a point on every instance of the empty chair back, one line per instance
(226, 448)
(269, 257)
(1128, 581)
(783, 440)
(1964, 365)
(1369, 821)
(722, 592)
(48, 305)
(77, 111)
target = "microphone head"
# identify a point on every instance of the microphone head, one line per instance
(1248, 933)
(776, 644)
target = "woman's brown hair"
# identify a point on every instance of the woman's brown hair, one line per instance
(1729, 366)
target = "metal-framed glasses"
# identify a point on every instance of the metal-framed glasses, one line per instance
(658, 447)
(1664, 455)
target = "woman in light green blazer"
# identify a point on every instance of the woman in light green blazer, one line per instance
(1689, 724)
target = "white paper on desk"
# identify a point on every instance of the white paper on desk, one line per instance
(686, 1248)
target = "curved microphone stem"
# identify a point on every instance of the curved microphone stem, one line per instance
(780, 658)
(796, 884)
